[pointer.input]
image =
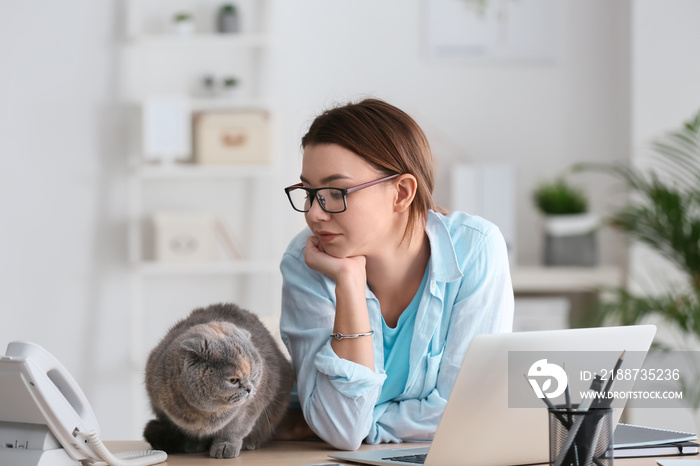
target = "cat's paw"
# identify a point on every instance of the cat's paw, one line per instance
(225, 449)
(250, 445)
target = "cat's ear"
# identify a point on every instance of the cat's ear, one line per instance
(197, 346)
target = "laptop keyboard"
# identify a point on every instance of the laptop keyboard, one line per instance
(410, 459)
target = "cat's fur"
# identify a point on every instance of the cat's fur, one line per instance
(216, 381)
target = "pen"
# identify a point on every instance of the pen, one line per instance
(583, 407)
(549, 404)
(608, 401)
(567, 394)
(569, 413)
(614, 371)
(594, 442)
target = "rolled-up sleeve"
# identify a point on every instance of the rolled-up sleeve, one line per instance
(337, 396)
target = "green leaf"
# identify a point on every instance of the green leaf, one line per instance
(560, 198)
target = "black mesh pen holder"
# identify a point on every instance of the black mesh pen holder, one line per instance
(580, 438)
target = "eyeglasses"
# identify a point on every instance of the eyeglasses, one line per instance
(331, 200)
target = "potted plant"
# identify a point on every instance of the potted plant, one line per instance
(229, 86)
(209, 85)
(227, 19)
(663, 213)
(569, 228)
(183, 23)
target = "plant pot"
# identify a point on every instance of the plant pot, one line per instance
(183, 28)
(570, 240)
(227, 22)
(228, 92)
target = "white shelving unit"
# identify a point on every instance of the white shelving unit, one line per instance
(158, 62)
(201, 40)
(191, 171)
(222, 268)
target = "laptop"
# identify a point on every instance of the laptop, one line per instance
(493, 416)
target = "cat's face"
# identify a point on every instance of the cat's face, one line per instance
(220, 366)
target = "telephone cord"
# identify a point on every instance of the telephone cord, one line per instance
(129, 458)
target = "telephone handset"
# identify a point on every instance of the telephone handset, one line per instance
(45, 419)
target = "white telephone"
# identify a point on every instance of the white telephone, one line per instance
(45, 419)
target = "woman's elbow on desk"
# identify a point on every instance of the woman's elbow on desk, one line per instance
(340, 419)
(346, 444)
(341, 437)
(340, 434)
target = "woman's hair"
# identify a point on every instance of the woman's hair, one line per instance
(388, 139)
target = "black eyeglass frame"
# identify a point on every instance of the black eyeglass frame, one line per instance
(312, 193)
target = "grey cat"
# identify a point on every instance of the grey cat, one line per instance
(217, 381)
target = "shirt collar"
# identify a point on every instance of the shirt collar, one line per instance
(443, 258)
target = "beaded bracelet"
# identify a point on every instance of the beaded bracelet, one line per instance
(340, 336)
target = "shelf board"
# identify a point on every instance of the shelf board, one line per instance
(226, 103)
(199, 103)
(191, 171)
(562, 280)
(241, 267)
(202, 39)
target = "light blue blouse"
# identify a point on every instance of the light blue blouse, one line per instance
(468, 292)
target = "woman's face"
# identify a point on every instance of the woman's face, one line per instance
(369, 223)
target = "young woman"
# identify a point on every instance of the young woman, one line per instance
(382, 294)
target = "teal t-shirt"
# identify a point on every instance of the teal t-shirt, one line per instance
(397, 348)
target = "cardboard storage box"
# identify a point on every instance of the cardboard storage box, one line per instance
(240, 137)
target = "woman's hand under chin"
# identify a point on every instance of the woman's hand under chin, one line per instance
(337, 268)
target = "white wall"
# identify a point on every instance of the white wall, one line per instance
(63, 279)
(63, 273)
(543, 117)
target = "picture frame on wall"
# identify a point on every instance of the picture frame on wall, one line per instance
(489, 32)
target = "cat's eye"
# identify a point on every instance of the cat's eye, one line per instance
(233, 380)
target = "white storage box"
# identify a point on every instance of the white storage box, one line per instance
(185, 237)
